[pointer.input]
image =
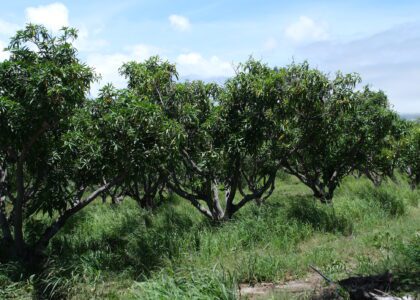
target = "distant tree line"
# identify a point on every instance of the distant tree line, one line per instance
(218, 147)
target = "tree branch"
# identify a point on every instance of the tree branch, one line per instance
(256, 194)
(7, 234)
(18, 206)
(191, 162)
(190, 198)
(60, 222)
(33, 139)
(178, 186)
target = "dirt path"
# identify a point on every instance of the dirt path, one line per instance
(309, 287)
(315, 287)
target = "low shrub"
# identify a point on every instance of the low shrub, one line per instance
(389, 199)
(187, 284)
(319, 216)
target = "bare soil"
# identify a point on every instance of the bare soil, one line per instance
(315, 287)
(311, 287)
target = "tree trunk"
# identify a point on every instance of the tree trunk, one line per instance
(52, 230)
(214, 205)
(317, 193)
(328, 197)
(259, 201)
(376, 180)
(415, 182)
(7, 235)
(193, 199)
(231, 192)
(146, 202)
(324, 196)
(231, 208)
(7, 242)
(115, 200)
(18, 210)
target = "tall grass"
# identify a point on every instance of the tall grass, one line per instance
(187, 284)
(172, 253)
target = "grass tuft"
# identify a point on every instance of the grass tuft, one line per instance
(123, 252)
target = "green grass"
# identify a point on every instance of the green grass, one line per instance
(126, 253)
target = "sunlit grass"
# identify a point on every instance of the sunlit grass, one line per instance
(172, 253)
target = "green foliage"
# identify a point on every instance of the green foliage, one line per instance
(390, 200)
(228, 137)
(334, 129)
(63, 146)
(410, 251)
(152, 80)
(187, 284)
(60, 150)
(410, 154)
(253, 111)
(321, 218)
(41, 85)
(125, 252)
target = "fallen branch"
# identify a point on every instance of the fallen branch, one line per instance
(322, 275)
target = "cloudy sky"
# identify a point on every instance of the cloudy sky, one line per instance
(378, 39)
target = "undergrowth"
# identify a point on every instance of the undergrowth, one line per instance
(123, 252)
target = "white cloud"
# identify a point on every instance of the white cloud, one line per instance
(143, 51)
(189, 65)
(307, 30)
(7, 28)
(3, 54)
(388, 60)
(195, 64)
(270, 44)
(86, 43)
(107, 65)
(180, 22)
(53, 16)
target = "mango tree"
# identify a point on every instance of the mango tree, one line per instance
(41, 84)
(252, 133)
(229, 138)
(58, 150)
(410, 154)
(190, 105)
(138, 138)
(152, 81)
(335, 128)
(383, 160)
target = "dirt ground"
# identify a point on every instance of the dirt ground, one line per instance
(316, 287)
(310, 287)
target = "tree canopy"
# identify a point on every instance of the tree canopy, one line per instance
(334, 127)
(217, 146)
(41, 85)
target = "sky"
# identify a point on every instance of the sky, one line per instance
(380, 40)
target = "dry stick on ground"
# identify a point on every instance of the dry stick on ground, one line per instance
(322, 275)
(366, 294)
(330, 282)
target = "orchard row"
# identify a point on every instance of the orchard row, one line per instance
(218, 147)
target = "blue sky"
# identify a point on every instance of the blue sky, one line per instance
(378, 39)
